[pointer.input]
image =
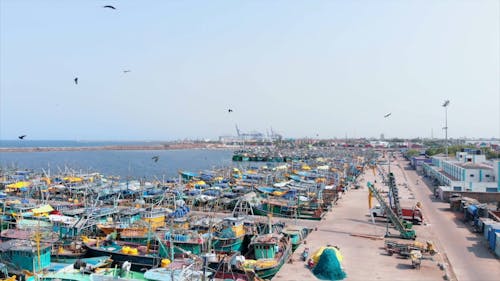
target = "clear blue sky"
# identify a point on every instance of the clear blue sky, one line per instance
(301, 67)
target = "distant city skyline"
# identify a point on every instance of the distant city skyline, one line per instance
(171, 70)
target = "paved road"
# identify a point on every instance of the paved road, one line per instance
(466, 251)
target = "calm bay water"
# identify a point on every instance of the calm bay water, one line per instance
(67, 143)
(134, 163)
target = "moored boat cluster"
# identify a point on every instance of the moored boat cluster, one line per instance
(228, 223)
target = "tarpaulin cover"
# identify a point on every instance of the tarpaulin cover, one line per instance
(19, 184)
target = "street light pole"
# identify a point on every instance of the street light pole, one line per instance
(445, 105)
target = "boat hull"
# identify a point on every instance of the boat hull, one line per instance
(228, 245)
(262, 211)
(138, 261)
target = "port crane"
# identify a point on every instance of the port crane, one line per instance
(403, 227)
(394, 195)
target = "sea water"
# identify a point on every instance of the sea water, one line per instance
(123, 163)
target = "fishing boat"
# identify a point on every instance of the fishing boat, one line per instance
(297, 234)
(268, 253)
(89, 269)
(117, 274)
(24, 255)
(183, 240)
(138, 255)
(286, 209)
(108, 274)
(126, 221)
(155, 217)
(186, 240)
(177, 271)
(229, 235)
(119, 227)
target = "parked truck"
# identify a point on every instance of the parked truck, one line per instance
(410, 214)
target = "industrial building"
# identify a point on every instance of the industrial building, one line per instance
(468, 171)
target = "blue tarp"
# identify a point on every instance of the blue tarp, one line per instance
(212, 192)
(194, 192)
(292, 193)
(253, 176)
(472, 209)
(265, 189)
(179, 212)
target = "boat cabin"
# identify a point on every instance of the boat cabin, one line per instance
(24, 254)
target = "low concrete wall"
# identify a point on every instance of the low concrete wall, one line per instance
(483, 197)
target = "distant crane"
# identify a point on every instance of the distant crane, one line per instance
(237, 130)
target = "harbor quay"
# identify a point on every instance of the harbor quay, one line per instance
(361, 241)
(462, 252)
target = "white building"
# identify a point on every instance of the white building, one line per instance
(467, 171)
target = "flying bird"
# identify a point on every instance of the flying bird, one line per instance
(22, 137)
(76, 80)
(126, 71)
(155, 158)
(387, 115)
(109, 6)
(230, 110)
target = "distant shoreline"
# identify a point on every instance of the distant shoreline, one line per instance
(179, 146)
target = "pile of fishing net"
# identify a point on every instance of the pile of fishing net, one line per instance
(328, 265)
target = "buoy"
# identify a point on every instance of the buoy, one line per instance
(126, 250)
(165, 262)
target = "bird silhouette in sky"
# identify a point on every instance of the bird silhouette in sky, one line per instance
(76, 80)
(155, 158)
(22, 137)
(387, 115)
(109, 7)
(230, 110)
(126, 71)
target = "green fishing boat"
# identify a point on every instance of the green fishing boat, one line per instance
(229, 236)
(268, 253)
(297, 234)
(284, 209)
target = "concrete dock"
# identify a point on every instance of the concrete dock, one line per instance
(364, 258)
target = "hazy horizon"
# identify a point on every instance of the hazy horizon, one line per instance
(211, 140)
(322, 69)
